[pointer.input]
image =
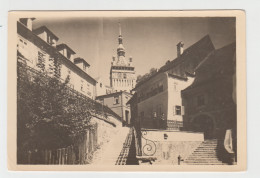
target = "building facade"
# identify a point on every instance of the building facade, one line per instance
(39, 50)
(117, 102)
(122, 72)
(103, 89)
(209, 103)
(159, 100)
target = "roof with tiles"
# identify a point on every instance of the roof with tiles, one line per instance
(187, 62)
(219, 64)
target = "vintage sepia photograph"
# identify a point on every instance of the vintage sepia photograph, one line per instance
(111, 89)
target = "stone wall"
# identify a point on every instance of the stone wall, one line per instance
(106, 131)
(167, 152)
(166, 146)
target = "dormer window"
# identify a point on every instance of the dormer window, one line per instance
(81, 63)
(48, 36)
(66, 51)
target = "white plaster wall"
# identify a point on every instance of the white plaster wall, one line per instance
(30, 52)
(100, 90)
(150, 105)
(175, 96)
(158, 135)
(64, 72)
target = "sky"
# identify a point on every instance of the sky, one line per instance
(150, 41)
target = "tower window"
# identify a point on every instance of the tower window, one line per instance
(116, 100)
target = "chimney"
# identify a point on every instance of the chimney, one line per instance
(54, 43)
(180, 48)
(27, 22)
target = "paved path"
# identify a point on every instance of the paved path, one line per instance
(110, 152)
(123, 156)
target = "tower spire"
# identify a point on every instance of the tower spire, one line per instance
(119, 26)
(120, 38)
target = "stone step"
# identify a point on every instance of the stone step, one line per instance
(210, 159)
(202, 150)
(205, 163)
(202, 157)
(212, 145)
(203, 160)
(205, 154)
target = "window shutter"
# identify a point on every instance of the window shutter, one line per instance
(182, 110)
(174, 110)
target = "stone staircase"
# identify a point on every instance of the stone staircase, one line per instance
(123, 156)
(205, 154)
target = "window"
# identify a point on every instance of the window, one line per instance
(116, 100)
(178, 110)
(124, 76)
(201, 100)
(82, 86)
(175, 87)
(100, 85)
(22, 43)
(41, 60)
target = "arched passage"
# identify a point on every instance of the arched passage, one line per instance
(205, 124)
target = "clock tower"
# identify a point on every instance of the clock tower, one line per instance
(122, 73)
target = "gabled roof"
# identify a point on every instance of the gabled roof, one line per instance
(41, 29)
(218, 64)
(62, 46)
(36, 40)
(177, 76)
(133, 99)
(188, 61)
(113, 94)
(198, 51)
(79, 59)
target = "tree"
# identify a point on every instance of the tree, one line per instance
(141, 78)
(48, 115)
